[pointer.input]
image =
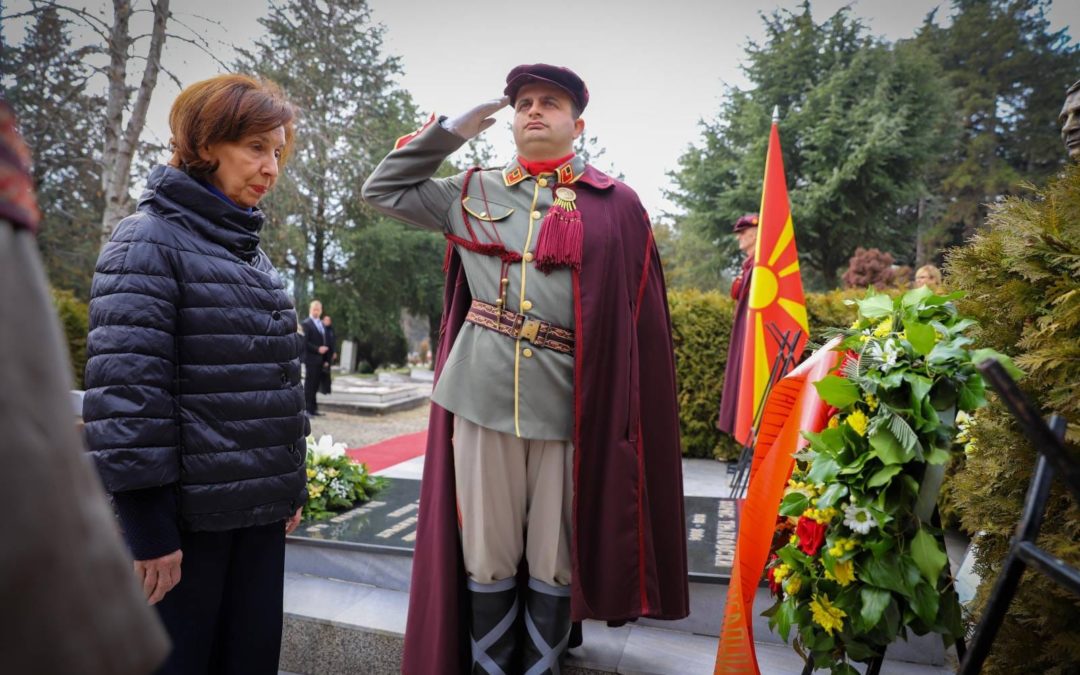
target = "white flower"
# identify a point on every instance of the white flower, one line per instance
(326, 447)
(859, 519)
(887, 354)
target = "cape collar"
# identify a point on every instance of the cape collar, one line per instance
(571, 172)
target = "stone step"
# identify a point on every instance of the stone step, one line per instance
(389, 568)
(334, 626)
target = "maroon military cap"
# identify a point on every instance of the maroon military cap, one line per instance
(745, 222)
(563, 78)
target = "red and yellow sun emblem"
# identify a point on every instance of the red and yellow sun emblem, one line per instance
(776, 292)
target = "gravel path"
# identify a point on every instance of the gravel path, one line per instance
(356, 431)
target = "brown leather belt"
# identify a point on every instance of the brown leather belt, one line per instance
(539, 333)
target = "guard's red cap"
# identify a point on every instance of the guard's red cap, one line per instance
(563, 78)
(745, 222)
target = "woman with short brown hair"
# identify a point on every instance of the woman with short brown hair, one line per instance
(194, 411)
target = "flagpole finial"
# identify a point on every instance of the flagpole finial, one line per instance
(776, 114)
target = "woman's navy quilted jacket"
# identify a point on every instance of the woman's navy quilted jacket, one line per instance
(193, 371)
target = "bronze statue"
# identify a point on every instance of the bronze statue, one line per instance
(1069, 119)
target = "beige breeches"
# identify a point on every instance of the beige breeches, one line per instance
(515, 496)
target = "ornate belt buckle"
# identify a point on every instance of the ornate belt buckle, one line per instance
(529, 329)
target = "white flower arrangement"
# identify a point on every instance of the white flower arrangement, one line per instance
(335, 481)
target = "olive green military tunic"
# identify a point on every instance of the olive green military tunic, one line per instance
(490, 379)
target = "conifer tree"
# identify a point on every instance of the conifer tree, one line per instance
(45, 80)
(329, 59)
(1009, 71)
(858, 125)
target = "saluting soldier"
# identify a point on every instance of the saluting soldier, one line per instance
(553, 451)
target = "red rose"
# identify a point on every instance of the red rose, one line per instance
(811, 535)
(774, 586)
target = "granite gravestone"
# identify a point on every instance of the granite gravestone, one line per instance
(387, 523)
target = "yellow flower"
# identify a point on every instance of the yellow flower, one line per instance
(793, 540)
(834, 422)
(858, 421)
(793, 586)
(310, 473)
(864, 338)
(871, 402)
(843, 573)
(883, 328)
(808, 489)
(822, 516)
(855, 324)
(825, 615)
(781, 572)
(332, 473)
(316, 489)
(841, 546)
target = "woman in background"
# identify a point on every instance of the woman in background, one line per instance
(928, 275)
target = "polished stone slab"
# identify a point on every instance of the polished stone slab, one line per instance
(712, 525)
(387, 524)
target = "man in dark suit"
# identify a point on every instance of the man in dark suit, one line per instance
(329, 356)
(314, 349)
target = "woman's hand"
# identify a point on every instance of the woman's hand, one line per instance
(158, 576)
(294, 522)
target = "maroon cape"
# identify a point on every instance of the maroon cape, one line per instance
(729, 397)
(629, 539)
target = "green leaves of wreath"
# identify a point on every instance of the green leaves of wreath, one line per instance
(863, 567)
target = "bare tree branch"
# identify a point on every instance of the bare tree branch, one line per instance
(173, 77)
(120, 142)
(204, 48)
(92, 22)
(115, 103)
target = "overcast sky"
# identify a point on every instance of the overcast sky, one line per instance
(654, 69)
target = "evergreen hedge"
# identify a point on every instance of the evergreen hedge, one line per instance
(74, 315)
(1022, 279)
(701, 331)
(827, 310)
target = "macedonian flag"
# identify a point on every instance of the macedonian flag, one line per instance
(776, 304)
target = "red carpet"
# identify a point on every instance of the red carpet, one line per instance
(384, 454)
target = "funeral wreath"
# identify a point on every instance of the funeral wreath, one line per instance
(859, 563)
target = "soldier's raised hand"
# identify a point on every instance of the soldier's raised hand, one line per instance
(469, 125)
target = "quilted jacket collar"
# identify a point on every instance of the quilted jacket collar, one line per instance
(177, 197)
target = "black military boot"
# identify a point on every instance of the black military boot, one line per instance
(547, 627)
(493, 631)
